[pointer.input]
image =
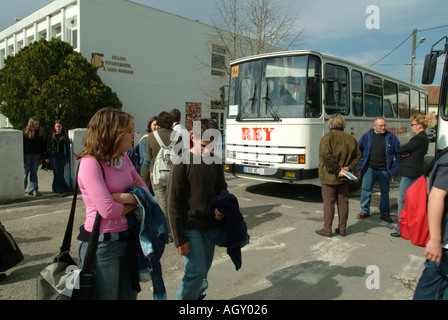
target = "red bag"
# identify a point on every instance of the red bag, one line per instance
(413, 219)
(414, 216)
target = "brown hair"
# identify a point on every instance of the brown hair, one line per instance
(29, 132)
(165, 120)
(104, 132)
(150, 122)
(63, 132)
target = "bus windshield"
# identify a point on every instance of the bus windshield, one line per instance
(277, 87)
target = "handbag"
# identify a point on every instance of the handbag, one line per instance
(10, 254)
(63, 280)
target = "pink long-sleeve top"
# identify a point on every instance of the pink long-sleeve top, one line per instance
(96, 192)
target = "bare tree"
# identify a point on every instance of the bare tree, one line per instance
(248, 27)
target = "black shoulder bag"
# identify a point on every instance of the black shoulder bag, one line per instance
(62, 280)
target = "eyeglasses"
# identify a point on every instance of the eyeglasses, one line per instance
(414, 124)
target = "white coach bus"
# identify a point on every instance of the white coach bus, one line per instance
(279, 104)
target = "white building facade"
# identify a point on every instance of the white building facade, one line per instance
(155, 61)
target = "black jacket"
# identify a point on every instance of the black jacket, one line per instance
(231, 232)
(417, 147)
(34, 146)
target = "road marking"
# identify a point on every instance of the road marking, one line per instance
(334, 250)
(44, 214)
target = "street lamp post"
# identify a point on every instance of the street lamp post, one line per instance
(414, 47)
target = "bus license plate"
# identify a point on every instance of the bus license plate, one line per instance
(253, 170)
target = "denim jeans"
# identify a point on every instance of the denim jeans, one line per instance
(112, 272)
(31, 166)
(368, 180)
(197, 264)
(433, 282)
(57, 161)
(405, 183)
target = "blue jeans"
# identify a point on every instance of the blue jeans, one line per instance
(433, 282)
(197, 264)
(112, 272)
(57, 161)
(368, 180)
(31, 166)
(405, 183)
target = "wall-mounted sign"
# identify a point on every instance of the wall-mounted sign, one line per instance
(114, 64)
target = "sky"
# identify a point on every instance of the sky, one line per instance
(379, 37)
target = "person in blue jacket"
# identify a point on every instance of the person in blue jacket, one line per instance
(379, 162)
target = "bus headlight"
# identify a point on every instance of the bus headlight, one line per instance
(292, 158)
(230, 154)
(295, 158)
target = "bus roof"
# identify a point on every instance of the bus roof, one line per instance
(325, 56)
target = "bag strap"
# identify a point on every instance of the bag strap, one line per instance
(68, 231)
(159, 141)
(174, 141)
(89, 258)
(93, 241)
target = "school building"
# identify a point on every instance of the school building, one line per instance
(155, 61)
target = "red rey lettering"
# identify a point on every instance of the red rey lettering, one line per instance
(257, 134)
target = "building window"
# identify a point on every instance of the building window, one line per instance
(56, 31)
(75, 39)
(42, 35)
(218, 60)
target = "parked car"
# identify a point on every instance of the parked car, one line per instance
(431, 133)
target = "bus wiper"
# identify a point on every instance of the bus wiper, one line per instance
(268, 102)
(252, 100)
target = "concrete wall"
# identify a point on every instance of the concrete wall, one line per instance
(11, 164)
(77, 138)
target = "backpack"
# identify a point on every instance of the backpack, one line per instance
(163, 161)
(413, 219)
(134, 155)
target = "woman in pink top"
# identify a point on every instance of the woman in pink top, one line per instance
(110, 134)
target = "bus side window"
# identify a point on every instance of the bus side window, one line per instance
(357, 101)
(336, 90)
(423, 98)
(373, 92)
(415, 101)
(390, 102)
(403, 106)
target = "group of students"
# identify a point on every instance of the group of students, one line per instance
(110, 134)
(378, 156)
(54, 151)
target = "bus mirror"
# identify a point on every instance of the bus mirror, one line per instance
(429, 68)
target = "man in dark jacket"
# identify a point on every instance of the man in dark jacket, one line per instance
(379, 161)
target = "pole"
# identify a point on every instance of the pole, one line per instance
(414, 44)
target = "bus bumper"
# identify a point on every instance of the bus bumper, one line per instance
(284, 175)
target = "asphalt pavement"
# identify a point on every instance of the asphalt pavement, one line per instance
(285, 259)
